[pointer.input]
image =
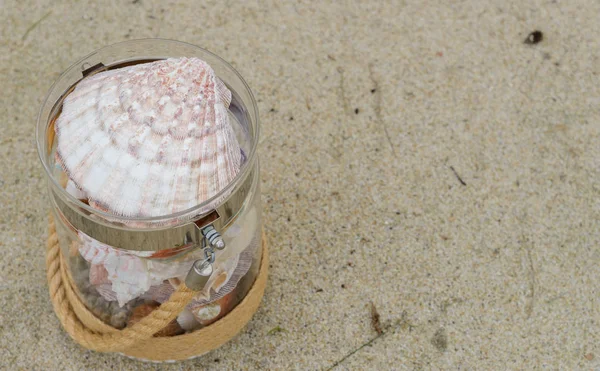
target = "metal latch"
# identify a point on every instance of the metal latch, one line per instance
(202, 269)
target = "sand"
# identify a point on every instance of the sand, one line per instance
(416, 155)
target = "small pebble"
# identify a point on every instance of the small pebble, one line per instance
(534, 37)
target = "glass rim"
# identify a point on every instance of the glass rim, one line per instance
(42, 125)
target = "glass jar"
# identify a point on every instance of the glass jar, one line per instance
(124, 267)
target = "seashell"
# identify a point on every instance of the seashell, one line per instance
(131, 275)
(187, 321)
(98, 274)
(149, 139)
(227, 279)
(229, 268)
(207, 313)
(128, 273)
(93, 251)
(212, 312)
(106, 292)
(143, 310)
(72, 189)
(222, 273)
(159, 293)
(224, 280)
(97, 252)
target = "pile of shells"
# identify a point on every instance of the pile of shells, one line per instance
(109, 312)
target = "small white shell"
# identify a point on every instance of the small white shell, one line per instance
(208, 313)
(187, 321)
(150, 139)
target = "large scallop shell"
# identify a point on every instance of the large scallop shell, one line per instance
(149, 139)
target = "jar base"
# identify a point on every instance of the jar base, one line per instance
(165, 349)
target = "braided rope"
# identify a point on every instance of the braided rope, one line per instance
(138, 341)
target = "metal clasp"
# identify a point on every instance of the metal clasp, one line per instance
(199, 274)
(202, 269)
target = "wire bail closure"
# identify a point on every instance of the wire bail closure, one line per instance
(202, 269)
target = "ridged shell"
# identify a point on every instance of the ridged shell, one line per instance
(72, 189)
(159, 293)
(209, 313)
(106, 292)
(98, 274)
(223, 281)
(128, 273)
(149, 139)
(225, 278)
